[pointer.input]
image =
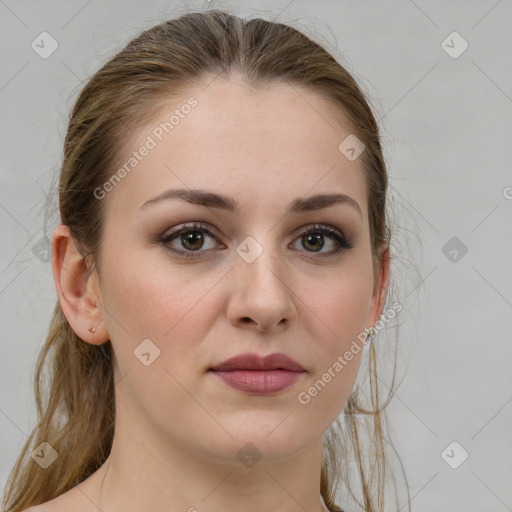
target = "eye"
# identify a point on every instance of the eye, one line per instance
(191, 237)
(313, 238)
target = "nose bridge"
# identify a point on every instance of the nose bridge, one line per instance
(260, 257)
(261, 271)
(260, 291)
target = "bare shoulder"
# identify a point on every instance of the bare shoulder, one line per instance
(76, 499)
(44, 507)
(67, 502)
(49, 506)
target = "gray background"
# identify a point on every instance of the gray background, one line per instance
(446, 125)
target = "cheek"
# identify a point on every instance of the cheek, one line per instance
(341, 302)
(338, 312)
(163, 304)
(163, 307)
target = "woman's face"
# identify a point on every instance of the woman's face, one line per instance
(246, 280)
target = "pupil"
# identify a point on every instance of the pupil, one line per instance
(192, 237)
(315, 238)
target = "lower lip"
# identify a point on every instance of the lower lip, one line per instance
(261, 382)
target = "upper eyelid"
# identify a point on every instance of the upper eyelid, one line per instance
(190, 226)
(201, 226)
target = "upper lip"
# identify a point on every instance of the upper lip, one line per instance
(250, 361)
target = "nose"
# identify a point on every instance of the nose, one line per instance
(262, 295)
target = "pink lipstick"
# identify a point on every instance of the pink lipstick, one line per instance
(259, 375)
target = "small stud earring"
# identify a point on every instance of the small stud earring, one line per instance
(370, 333)
(92, 330)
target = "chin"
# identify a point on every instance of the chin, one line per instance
(269, 440)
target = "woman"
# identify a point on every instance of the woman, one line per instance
(222, 260)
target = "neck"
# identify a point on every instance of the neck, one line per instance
(136, 477)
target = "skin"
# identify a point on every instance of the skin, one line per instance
(179, 427)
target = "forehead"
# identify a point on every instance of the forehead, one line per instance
(272, 142)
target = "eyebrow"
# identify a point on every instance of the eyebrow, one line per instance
(214, 200)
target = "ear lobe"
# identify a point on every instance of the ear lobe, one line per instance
(76, 287)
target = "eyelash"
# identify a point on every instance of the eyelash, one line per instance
(170, 235)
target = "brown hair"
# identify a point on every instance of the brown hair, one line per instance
(77, 417)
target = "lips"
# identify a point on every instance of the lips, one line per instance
(259, 375)
(249, 361)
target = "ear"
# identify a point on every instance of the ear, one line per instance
(380, 287)
(77, 288)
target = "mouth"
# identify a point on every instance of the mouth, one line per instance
(255, 374)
